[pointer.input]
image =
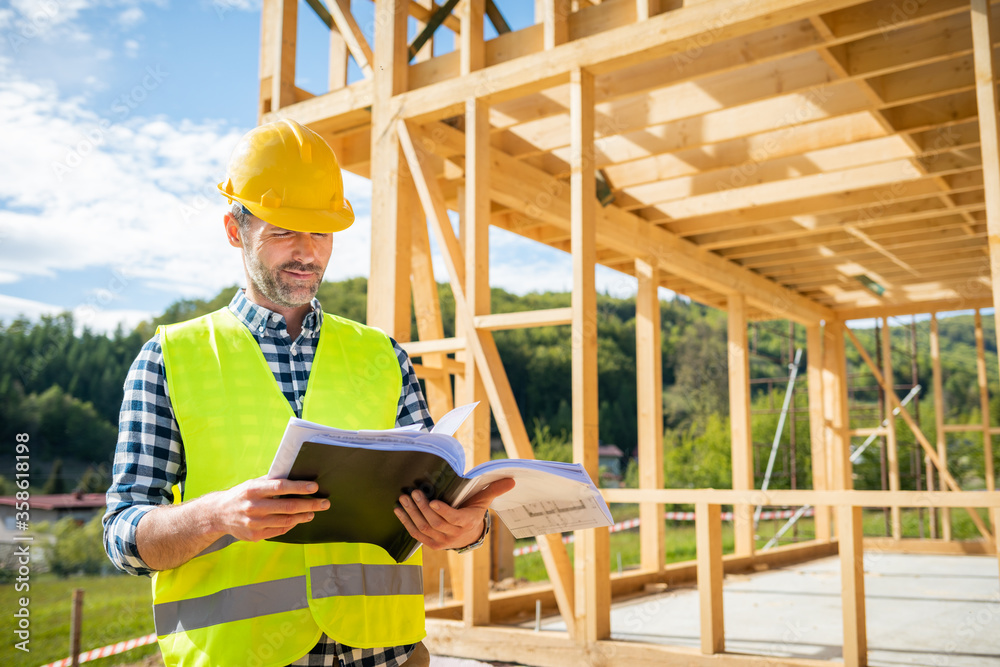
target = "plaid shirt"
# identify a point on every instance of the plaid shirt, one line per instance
(149, 459)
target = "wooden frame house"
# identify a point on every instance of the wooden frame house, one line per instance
(812, 160)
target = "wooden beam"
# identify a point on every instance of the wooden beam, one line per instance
(916, 307)
(708, 529)
(646, 8)
(337, 77)
(482, 345)
(551, 649)
(799, 497)
(427, 308)
(989, 130)
(388, 286)
(419, 348)
(838, 468)
(984, 405)
(555, 22)
(340, 10)
(540, 196)
(852, 585)
(739, 418)
(892, 450)
(475, 238)
(817, 426)
(942, 447)
(660, 36)
(425, 7)
(921, 438)
(591, 556)
(471, 49)
(279, 29)
(525, 318)
(649, 402)
(423, 14)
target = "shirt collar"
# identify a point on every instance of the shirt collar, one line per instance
(262, 321)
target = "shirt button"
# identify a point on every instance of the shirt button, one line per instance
(261, 330)
(275, 317)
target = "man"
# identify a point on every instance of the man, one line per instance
(205, 405)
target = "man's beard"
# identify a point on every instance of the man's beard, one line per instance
(278, 289)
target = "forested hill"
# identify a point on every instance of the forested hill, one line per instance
(66, 389)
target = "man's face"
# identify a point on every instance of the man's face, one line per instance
(285, 267)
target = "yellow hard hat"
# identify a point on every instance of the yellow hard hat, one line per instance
(287, 175)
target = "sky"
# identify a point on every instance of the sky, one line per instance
(117, 118)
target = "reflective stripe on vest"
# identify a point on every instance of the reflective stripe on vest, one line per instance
(221, 607)
(276, 596)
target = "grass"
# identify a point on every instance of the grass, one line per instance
(680, 537)
(115, 608)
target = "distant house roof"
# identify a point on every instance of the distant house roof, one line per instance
(61, 501)
(610, 450)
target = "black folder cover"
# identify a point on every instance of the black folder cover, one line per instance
(363, 486)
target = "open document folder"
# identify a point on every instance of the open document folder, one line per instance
(363, 473)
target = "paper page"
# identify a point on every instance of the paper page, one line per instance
(543, 503)
(550, 516)
(449, 424)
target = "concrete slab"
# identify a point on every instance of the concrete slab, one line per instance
(921, 610)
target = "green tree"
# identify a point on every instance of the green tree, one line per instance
(56, 482)
(77, 547)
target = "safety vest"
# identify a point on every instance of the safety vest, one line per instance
(257, 604)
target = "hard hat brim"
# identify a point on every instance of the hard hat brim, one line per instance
(311, 221)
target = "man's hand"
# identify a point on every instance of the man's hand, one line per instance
(439, 526)
(252, 512)
(171, 535)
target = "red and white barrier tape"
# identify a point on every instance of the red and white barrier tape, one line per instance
(105, 651)
(674, 516)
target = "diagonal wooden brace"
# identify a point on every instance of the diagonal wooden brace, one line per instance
(483, 347)
(921, 438)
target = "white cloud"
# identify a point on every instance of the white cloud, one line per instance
(56, 20)
(131, 17)
(93, 317)
(239, 5)
(136, 197)
(131, 48)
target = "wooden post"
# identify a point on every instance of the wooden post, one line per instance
(817, 425)
(989, 135)
(646, 8)
(471, 50)
(477, 281)
(942, 449)
(481, 344)
(592, 558)
(427, 51)
(388, 285)
(427, 307)
(76, 623)
(283, 75)
(278, 23)
(892, 450)
(984, 405)
(337, 77)
(995, 515)
(555, 22)
(852, 585)
(739, 416)
(649, 382)
(708, 535)
(835, 395)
